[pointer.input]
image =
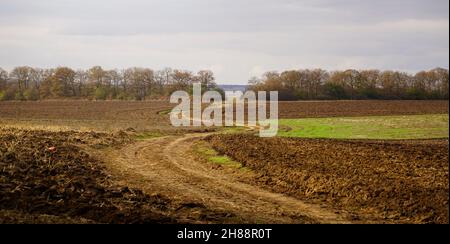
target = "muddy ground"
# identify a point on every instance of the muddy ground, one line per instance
(314, 109)
(374, 181)
(153, 116)
(54, 169)
(46, 177)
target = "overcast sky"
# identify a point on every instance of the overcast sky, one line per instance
(236, 39)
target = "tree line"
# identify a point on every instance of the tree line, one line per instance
(28, 83)
(354, 84)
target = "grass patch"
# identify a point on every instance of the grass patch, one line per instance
(147, 135)
(232, 129)
(371, 127)
(212, 156)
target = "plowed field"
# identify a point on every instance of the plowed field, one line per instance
(47, 177)
(122, 162)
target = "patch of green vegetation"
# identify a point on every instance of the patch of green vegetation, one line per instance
(206, 151)
(147, 135)
(371, 127)
(232, 129)
(165, 112)
(212, 156)
(225, 161)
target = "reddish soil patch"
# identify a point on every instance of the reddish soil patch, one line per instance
(380, 181)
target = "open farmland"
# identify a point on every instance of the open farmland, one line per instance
(122, 162)
(153, 115)
(86, 115)
(322, 109)
(48, 177)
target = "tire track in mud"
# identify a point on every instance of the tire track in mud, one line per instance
(167, 165)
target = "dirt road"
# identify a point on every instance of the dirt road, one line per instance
(167, 165)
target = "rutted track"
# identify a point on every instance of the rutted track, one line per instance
(167, 165)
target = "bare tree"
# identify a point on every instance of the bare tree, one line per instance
(80, 83)
(206, 78)
(3, 79)
(182, 79)
(115, 78)
(97, 75)
(22, 77)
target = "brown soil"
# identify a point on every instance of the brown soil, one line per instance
(46, 177)
(313, 109)
(379, 181)
(152, 115)
(92, 177)
(83, 115)
(106, 178)
(83, 110)
(168, 165)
